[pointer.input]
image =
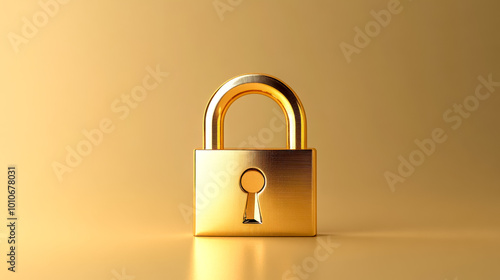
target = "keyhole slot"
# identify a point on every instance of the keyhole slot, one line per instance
(252, 182)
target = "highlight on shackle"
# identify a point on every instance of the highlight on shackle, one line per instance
(224, 96)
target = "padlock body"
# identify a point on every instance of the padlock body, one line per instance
(287, 203)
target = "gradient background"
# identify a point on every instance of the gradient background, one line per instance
(121, 213)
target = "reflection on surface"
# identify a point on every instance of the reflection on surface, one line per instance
(261, 257)
(220, 258)
(413, 255)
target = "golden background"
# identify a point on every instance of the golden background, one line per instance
(122, 210)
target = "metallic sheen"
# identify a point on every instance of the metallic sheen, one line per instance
(287, 204)
(260, 84)
(278, 195)
(252, 182)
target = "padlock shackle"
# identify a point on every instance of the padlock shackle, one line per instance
(213, 126)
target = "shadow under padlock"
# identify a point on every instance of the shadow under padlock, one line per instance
(277, 187)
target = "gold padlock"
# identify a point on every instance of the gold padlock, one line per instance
(250, 192)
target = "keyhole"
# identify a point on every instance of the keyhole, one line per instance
(252, 182)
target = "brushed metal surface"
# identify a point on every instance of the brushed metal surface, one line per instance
(288, 203)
